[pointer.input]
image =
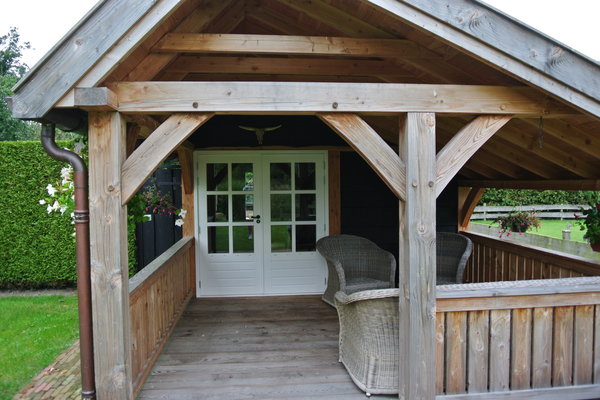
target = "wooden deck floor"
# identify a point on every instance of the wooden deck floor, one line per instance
(253, 348)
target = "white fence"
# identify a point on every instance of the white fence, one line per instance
(554, 211)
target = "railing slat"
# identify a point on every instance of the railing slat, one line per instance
(541, 374)
(583, 349)
(521, 349)
(478, 361)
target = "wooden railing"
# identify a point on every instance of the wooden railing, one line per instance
(158, 294)
(494, 260)
(522, 340)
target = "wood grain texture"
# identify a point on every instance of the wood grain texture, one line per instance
(500, 322)
(499, 41)
(456, 352)
(289, 45)
(109, 261)
(156, 148)
(583, 350)
(311, 97)
(440, 354)
(159, 294)
(541, 360)
(471, 197)
(417, 247)
(334, 176)
(372, 148)
(520, 368)
(562, 360)
(79, 51)
(463, 145)
(186, 160)
(478, 359)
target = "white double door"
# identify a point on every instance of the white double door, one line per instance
(259, 216)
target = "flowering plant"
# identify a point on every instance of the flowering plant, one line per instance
(152, 201)
(589, 221)
(518, 221)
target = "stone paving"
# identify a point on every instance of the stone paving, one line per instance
(59, 380)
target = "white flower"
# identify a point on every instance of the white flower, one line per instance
(55, 206)
(182, 213)
(78, 147)
(42, 202)
(63, 209)
(51, 190)
(49, 209)
(178, 222)
(65, 173)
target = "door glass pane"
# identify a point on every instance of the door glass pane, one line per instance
(218, 239)
(281, 207)
(242, 177)
(216, 177)
(243, 239)
(216, 207)
(243, 207)
(305, 176)
(281, 238)
(306, 207)
(281, 176)
(305, 237)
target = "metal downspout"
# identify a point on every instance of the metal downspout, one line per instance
(82, 237)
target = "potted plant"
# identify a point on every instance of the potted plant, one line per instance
(517, 221)
(589, 221)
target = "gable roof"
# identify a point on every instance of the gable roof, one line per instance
(467, 25)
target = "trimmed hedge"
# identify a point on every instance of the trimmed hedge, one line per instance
(523, 197)
(37, 249)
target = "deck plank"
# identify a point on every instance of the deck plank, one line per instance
(248, 348)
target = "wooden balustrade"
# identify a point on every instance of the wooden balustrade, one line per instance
(495, 260)
(158, 294)
(534, 339)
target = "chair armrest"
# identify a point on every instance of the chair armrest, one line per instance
(343, 298)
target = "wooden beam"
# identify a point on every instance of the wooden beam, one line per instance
(463, 145)
(285, 66)
(96, 99)
(80, 50)
(468, 200)
(288, 45)
(417, 265)
(133, 131)
(108, 253)
(186, 160)
(304, 97)
(550, 184)
(335, 206)
(498, 41)
(154, 150)
(375, 151)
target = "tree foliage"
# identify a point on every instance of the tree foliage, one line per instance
(11, 70)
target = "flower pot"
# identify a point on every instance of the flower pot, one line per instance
(518, 227)
(595, 246)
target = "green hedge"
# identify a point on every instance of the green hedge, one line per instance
(521, 197)
(37, 249)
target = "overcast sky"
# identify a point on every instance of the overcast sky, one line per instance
(572, 22)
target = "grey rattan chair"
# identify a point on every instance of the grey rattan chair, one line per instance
(369, 339)
(453, 251)
(354, 264)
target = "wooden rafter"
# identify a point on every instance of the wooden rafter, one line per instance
(154, 150)
(358, 134)
(290, 97)
(463, 145)
(468, 199)
(283, 44)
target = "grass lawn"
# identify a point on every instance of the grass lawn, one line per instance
(33, 332)
(549, 227)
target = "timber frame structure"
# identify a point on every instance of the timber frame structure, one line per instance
(427, 92)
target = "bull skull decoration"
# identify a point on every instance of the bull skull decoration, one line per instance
(259, 132)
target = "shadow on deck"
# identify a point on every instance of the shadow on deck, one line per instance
(253, 347)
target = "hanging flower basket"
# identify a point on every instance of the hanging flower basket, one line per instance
(517, 221)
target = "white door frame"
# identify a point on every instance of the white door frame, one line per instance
(265, 261)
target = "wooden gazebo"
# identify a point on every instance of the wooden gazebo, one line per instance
(438, 98)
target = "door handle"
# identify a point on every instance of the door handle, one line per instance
(256, 218)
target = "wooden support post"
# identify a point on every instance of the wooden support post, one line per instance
(467, 201)
(108, 235)
(417, 263)
(335, 227)
(186, 161)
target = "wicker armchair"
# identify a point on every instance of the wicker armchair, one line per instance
(354, 264)
(369, 339)
(453, 251)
